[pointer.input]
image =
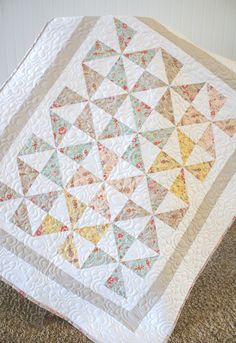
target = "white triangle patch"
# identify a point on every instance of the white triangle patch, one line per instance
(151, 96)
(76, 83)
(194, 131)
(124, 169)
(125, 114)
(91, 218)
(165, 178)
(118, 144)
(37, 160)
(68, 167)
(152, 149)
(92, 162)
(102, 65)
(188, 75)
(156, 121)
(100, 119)
(157, 67)
(84, 247)
(36, 215)
(116, 201)
(70, 112)
(138, 250)
(165, 235)
(172, 147)
(170, 203)
(201, 102)
(198, 155)
(75, 136)
(108, 244)
(133, 226)
(179, 105)
(107, 89)
(43, 185)
(141, 196)
(85, 193)
(59, 210)
(133, 72)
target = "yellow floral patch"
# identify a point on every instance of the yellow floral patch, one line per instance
(163, 162)
(93, 233)
(179, 187)
(186, 145)
(200, 170)
(75, 207)
(69, 252)
(50, 225)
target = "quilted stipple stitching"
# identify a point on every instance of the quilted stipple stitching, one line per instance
(131, 131)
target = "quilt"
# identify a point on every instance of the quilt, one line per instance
(117, 174)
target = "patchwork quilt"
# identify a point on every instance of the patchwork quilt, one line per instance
(117, 174)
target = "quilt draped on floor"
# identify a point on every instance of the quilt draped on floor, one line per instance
(117, 174)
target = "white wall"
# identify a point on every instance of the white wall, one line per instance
(210, 24)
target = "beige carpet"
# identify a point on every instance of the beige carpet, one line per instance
(209, 315)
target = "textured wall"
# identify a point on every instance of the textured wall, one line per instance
(208, 23)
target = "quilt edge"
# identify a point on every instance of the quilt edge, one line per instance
(216, 67)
